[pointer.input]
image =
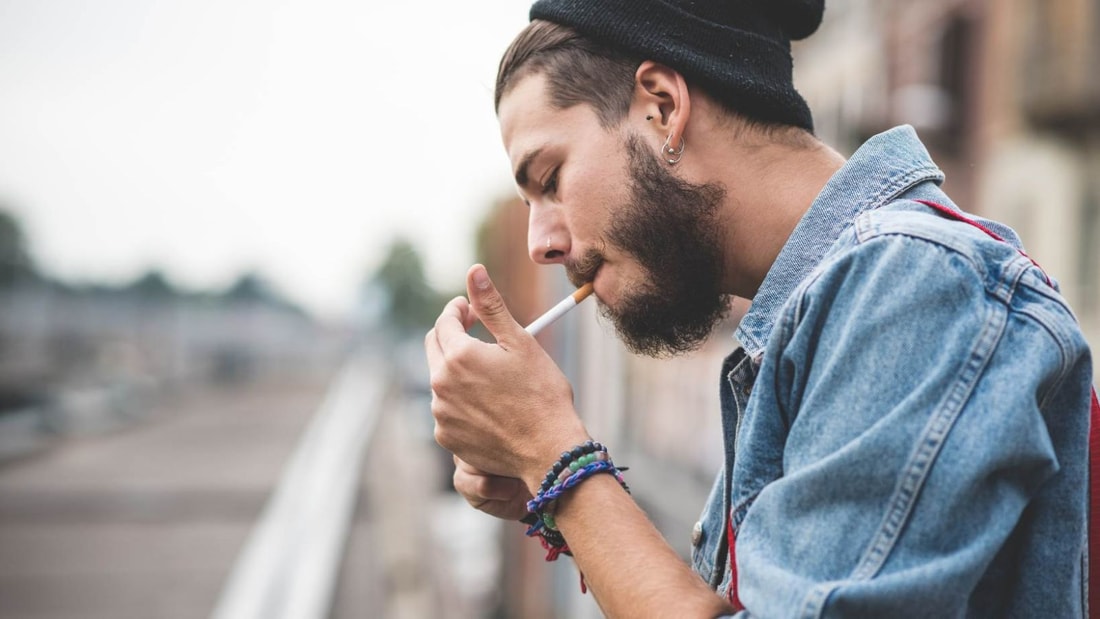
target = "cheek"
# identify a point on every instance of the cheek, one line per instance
(620, 277)
(592, 197)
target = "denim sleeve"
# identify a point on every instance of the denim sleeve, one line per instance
(924, 459)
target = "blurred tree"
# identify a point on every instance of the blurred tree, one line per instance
(152, 285)
(251, 287)
(15, 262)
(410, 304)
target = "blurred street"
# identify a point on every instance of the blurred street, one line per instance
(148, 520)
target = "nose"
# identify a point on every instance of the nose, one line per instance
(547, 237)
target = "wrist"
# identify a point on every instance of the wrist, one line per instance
(573, 467)
(548, 454)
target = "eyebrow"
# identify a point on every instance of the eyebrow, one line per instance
(521, 170)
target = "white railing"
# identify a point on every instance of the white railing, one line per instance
(291, 560)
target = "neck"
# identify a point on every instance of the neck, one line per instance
(770, 184)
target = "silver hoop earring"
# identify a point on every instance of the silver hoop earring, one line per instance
(673, 155)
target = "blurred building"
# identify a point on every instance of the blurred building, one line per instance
(79, 360)
(1006, 95)
(1000, 91)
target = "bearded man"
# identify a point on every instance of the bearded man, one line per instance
(906, 417)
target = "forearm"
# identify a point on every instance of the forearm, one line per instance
(628, 566)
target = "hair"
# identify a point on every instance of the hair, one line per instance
(577, 70)
(581, 70)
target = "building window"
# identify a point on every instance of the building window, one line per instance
(1060, 87)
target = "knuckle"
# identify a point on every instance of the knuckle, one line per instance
(461, 361)
(460, 481)
(492, 488)
(435, 327)
(438, 383)
(441, 437)
(456, 355)
(441, 414)
(493, 305)
(482, 486)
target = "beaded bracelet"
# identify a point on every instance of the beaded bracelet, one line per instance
(573, 467)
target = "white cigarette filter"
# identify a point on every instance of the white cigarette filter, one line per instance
(560, 309)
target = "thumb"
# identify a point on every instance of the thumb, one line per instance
(489, 305)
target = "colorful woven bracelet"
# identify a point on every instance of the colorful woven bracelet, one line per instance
(573, 467)
(572, 460)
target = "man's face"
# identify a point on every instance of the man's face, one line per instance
(616, 215)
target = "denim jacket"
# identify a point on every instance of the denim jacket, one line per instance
(906, 420)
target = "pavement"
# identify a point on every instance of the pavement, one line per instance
(146, 521)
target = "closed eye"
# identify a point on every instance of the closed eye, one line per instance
(550, 185)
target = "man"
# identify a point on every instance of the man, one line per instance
(906, 419)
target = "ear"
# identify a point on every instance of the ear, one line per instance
(660, 92)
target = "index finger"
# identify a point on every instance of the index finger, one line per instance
(451, 324)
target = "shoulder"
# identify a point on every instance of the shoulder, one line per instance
(909, 218)
(917, 246)
(890, 256)
(905, 268)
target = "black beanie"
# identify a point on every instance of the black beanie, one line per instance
(739, 51)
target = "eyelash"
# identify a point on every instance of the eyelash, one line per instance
(551, 184)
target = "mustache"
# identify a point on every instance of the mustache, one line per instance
(582, 270)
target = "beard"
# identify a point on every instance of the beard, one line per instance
(673, 229)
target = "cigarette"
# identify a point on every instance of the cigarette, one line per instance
(560, 309)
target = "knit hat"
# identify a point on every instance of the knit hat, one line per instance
(739, 51)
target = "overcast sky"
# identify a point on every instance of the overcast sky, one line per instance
(208, 137)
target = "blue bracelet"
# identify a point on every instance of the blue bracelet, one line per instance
(574, 466)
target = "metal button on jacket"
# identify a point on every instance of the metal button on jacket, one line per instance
(696, 533)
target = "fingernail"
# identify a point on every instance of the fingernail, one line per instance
(481, 279)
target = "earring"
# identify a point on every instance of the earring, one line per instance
(674, 154)
(649, 117)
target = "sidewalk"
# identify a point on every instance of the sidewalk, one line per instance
(146, 522)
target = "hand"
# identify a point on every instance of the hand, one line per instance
(504, 408)
(503, 497)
